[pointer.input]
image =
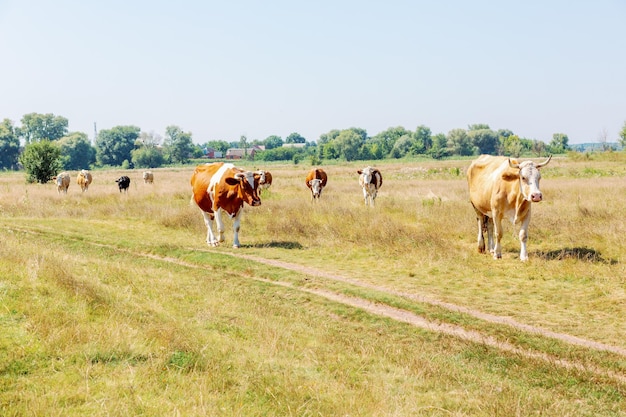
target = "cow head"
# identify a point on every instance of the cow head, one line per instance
(316, 187)
(366, 175)
(247, 183)
(261, 174)
(529, 177)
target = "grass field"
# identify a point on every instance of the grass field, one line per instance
(113, 305)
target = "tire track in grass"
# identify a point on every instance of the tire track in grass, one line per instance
(400, 315)
(491, 318)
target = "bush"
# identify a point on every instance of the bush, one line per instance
(41, 160)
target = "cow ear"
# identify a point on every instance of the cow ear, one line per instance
(510, 175)
(360, 171)
(232, 181)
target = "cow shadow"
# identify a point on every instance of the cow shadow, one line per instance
(580, 253)
(274, 244)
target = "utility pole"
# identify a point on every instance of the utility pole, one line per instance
(95, 133)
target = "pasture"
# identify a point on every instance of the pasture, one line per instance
(113, 304)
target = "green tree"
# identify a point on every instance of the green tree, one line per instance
(219, 145)
(179, 144)
(37, 127)
(272, 142)
(348, 144)
(478, 126)
(41, 161)
(423, 140)
(114, 146)
(622, 136)
(559, 143)
(402, 146)
(386, 139)
(511, 145)
(9, 145)
(486, 140)
(76, 151)
(295, 138)
(147, 157)
(440, 147)
(460, 143)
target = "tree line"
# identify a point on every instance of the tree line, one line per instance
(42, 146)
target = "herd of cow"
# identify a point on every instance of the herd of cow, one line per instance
(84, 179)
(499, 187)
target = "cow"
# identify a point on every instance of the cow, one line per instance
(123, 183)
(221, 187)
(265, 180)
(148, 177)
(63, 182)
(83, 179)
(316, 180)
(370, 180)
(499, 187)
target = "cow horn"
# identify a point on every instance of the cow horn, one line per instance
(512, 165)
(544, 163)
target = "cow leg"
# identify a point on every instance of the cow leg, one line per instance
(497, 232)
(523, 238)
(481, 232)
(210, 237)
(365, 195)
(220, 225)
(489, 227)
(236, 226)
(373, 196)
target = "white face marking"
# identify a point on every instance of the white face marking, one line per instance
(316, 187)
(529, 179)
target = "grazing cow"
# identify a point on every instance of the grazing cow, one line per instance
(123, 183)
(83, 179)
(265, 180)
(63, 182)
(370, 180)
(148, 177)
(500, 187)
(221, 187)
(316, 180)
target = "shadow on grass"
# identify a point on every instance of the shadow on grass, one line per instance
(582, 254)
(273, 244)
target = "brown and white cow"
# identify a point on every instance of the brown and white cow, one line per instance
(83, 179)
(148, 177)
(370, 180)
(499, 187)
(63, 182)
(316, 180)
(265, 180)
(219, 187)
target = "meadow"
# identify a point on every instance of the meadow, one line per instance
(113, 305)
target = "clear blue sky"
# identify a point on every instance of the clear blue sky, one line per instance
(222, 69)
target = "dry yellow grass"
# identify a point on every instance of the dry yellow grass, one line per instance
(116, 302)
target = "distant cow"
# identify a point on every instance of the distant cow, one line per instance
(221, 187)
(316, 180)
(370, 180)
(148, 177)
(265, 179)
(84, 179)
(499, 187)
(123, 183)
(63, 182)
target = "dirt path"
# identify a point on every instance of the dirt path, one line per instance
(449, 306)
(409, 317)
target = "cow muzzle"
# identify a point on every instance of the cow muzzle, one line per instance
(536, 197)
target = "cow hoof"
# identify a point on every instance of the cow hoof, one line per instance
(236, 246)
